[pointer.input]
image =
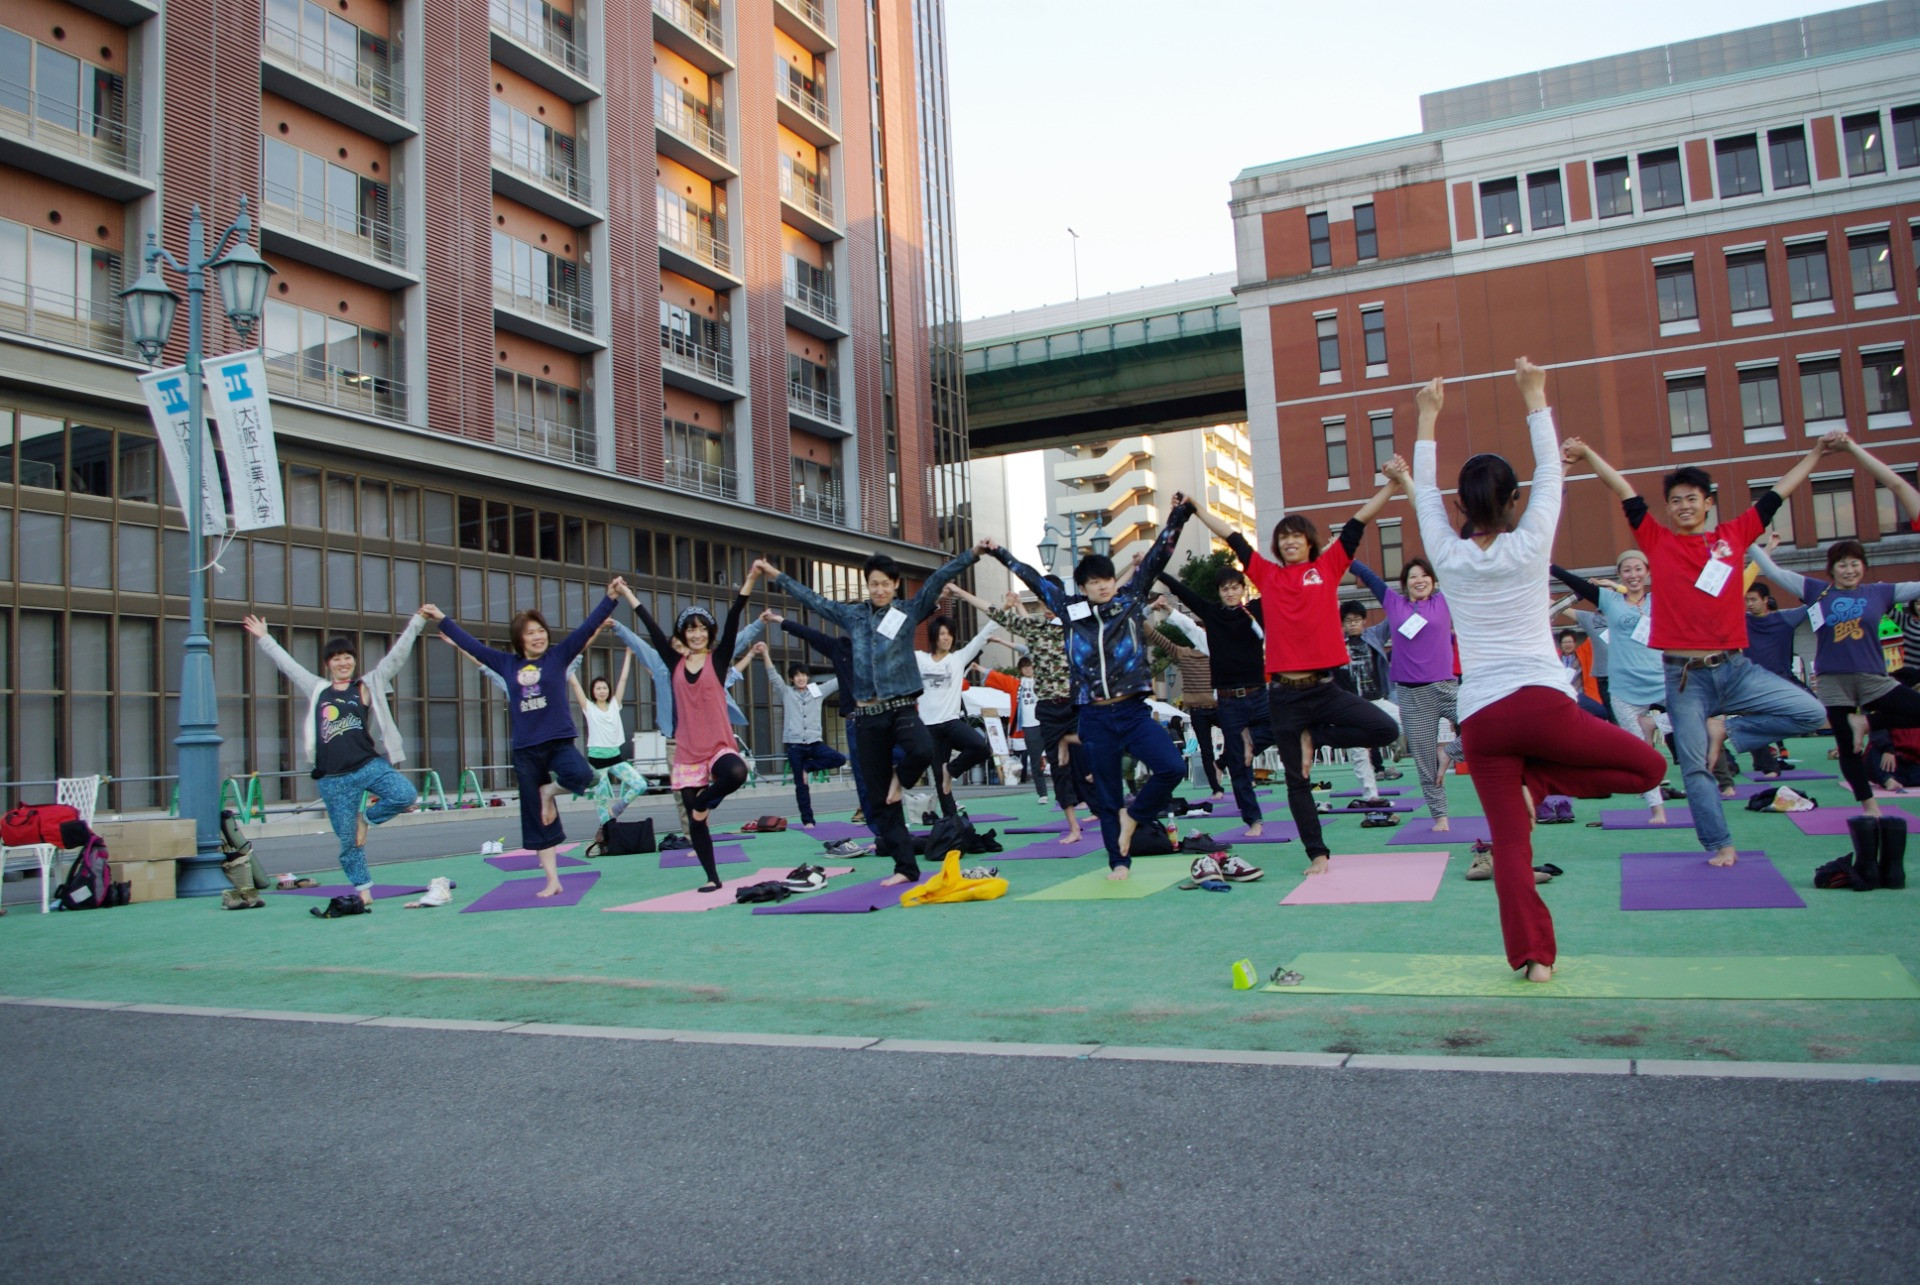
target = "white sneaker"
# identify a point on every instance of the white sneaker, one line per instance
(439, 892)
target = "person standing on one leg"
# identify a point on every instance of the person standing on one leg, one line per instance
(959, 746)
(609, 748)
(347, 729)
(1366, 676)
(545, 759)
(1420, 627)
(1525, 736)
(837, 650)
(1639, 679)
(1699, 623)
(801, 703)
(1236, 632)
(1196, 696)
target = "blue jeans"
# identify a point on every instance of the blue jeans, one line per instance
(1250, 714)
(1769, 706)
(1111, 731)
(814, 756)
(393, 795)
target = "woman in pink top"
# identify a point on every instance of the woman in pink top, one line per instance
(707, 766)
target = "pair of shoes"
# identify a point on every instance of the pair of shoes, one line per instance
(294, 881)
(439, 892)
(1390, 774)
(1236, 869)
(849, 848)
(805, 878)
(1481, 867)
(1766, 761)
(1322, 785)
(235, 899)
(1668, 794)
(980, 872)
(1379, 820)
(1284, 976)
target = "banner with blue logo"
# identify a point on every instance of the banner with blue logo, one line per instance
(167, 393)
(237, 396)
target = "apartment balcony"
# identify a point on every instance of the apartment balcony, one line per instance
(1123, 454)
(541, 51)
(820, 504)
(551, 316)
(693, 244)
(126, 13)
(1229, 500)
(360, 95)
(818, 411)
(1117, 494)
(805, 204)
(57, 318)
(813, 310)
(702, 478)
(692, 29)
(70, 144)
(689, 131)
(550, 438)
(803, 112)
(695, 367)
(541, 180)
(1228, 466)
(806, 22)
(340, 240)
(301, 380)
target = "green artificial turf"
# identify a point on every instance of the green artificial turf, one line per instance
(1148, 971)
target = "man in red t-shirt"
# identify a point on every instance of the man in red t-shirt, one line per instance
(1700, 622)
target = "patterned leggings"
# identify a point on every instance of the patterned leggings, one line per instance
(392, 793)
(1421, 709)
(632, 786)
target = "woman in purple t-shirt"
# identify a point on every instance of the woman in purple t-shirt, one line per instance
(1419, 630)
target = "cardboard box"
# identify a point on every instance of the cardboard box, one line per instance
(151, 880)
(164, 839)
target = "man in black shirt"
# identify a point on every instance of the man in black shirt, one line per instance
(1237, 647)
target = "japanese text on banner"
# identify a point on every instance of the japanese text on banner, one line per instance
(237, 391)
(166, 393)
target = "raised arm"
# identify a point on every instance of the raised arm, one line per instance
(487, 656)
(1903, 490)
(658, 637)
(626, 672)
(979, 640)
(774, 677)
(1586, 589)
(968, 596)
(824, 643)
(303, 679)
(1176, 650)
(573, 685)
(1574, 452)
(755, 630)
(1213, 521)
(1431, 511)
(928, 598)
(834, 611)
(730, 627)
(388, 665)
(1192, 629)
(1375, 585)
(1053, 597)
(1543, 505)
(1371, 509)
(576, 642)
(1831, 444)
(1183, 591)
(1792, 581)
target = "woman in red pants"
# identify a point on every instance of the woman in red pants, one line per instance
(1523, 733)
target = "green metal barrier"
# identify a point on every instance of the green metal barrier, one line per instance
(469, 779)
(430, 789)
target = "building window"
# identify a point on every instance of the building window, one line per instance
(1906, 137)
(58, 288)
(1833, 509)
(1373, 331)
(1787, 152)
(1544, 204)
(1613, 188)
(1883, 378)
(1319, 241)
(1871, 257)
(1738, 161)
(1500, 207)
(1327, 330)
(1760, 404)
(1366, 237)
(1393, 550)
(1865, 152)
(315, 357)
(1336, 434)
(1673, 283)
(1822, 404)
(1747, 282)
(1782, 523)
(1687, 411)
(1380, 427)
(1807, 280)
(1660, 184)
(1886, 509)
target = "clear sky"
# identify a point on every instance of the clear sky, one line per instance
(1127, 119)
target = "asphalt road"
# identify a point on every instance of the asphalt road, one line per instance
(139, 1147)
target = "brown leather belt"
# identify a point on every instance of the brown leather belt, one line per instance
(1235, 693)
(1306, 683)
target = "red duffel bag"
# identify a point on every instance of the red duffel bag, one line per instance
(35, 823)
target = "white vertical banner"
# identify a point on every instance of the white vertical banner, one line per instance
(166, 392)
(237, 393)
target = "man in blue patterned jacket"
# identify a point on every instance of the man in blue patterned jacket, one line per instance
(1111, 662)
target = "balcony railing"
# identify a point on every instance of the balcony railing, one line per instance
(341, 69)
(676, 349)
(822, 504)
(811, 10)
(61, 125)
(689, 118)
(802, 187)
(702, 477)
(702, 21)
(291, 375)
(552, 438)
(788, 88)
(543, 166)
(541, 33)
(814, 301)
(812, 401)
(337, 227)
(556, 307)
(64, 318)
(695, 231)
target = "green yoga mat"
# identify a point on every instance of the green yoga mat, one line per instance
(1611, 976)
(1150, 875)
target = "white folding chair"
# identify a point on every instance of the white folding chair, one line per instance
(82, 794)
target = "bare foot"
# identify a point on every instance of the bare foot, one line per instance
(366, 896)
(1253, 829)
(1539, 972)
(1870, 807)
(549, 807)
(894, 881)
(1727, 791)
(552, 889)
(1716, 737)
(893, 790)
(1317, 866)
(1118, 873)
(1217, 795)
(1725, 857)
(1858, 722)
(1127, 826)
(1073, 836)
(1657, 816)
(1441, 825)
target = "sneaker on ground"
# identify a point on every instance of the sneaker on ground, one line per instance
(1765, 759)
(1481, 867)
(1237, 869)
(849, 848)
(1390, 774)
(805, 879)
(1205, 868)
(980, 872)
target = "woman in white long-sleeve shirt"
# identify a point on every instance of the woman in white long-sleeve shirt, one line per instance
(959, 746)
(1522, 731)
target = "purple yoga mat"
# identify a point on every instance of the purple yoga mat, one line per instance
(1420, 830)
(512, 862)
(1355, 794)
(1270, 832)
(857, 900)
(1057, 827)
(1684, 881)
(1823, 822)
(346, 889)
(1047, 849)
(724, 854)
(1797, 774)
(989, 818)
(1747, 789)
(1678, 818)
(517, 894)
(834, 831)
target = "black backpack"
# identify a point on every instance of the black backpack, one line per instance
(89, 881)
(770, 890)
(622, 839)
(1150, 840)
(340, 907)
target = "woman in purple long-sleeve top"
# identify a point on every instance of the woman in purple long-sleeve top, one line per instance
(1420, 630)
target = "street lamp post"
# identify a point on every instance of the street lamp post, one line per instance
(1098, 541)
(151, 307)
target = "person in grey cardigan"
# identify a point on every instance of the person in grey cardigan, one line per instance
(350, 739)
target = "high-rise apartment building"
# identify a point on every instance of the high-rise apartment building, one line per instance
(1712, 243)
(1126, 487)
(478, 210)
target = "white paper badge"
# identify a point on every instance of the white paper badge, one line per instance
(1079, 610)
(1713, 577)
(1643, 630)
(1411, 626)
(890, 623)
(1816, 617)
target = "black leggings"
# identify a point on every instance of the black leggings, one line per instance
(1204, 719)
(1898, 708)
(729, 774)
(1059, 721)
(962, 747)
(1337, 719)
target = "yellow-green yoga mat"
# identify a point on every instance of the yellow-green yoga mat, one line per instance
(1150, 875)
(1610, 976)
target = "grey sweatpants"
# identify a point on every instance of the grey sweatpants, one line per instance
(1421, 709)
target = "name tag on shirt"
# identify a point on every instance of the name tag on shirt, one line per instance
(1713, 577)
(1078, 610)
(890, 623)
(1411, 626)
(1643, 630)
(1816, 617)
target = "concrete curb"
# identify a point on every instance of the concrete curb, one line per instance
(1647, 1068)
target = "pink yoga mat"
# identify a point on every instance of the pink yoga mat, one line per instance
(563, 849)
(1833, 821)
(511, 861)
(345, 889)
(1420, 830)
(724, 854)
(1678, 818)
(1353, 879)
(1684, 881)
(693, 900)
(518, 894)
(855, 900)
